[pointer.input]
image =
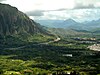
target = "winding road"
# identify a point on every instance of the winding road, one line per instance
(45, 43)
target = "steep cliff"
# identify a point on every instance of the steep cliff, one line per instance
(15, 22)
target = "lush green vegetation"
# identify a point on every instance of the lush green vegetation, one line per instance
(67, 55)
(27, 48)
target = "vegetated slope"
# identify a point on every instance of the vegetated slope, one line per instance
(69, 32)
(15, 23)
(17, 29)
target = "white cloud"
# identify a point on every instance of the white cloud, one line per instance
(28, 5)
(23, 5)
(57, 4)
(77, 14)
(35, 13)
(79, 10)
(97, 4)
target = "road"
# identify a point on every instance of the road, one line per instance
(45, 43)
(55, 40)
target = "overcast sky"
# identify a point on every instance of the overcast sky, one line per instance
(79, 10)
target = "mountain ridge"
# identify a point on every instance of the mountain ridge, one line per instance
(72, 24)
(15, 22)
(16, 27)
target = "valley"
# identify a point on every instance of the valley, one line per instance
(28, 48)
(60, 57)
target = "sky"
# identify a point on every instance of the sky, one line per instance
(79, 10)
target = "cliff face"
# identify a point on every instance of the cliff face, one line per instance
(13, 21)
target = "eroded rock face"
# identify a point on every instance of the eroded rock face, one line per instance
(13, 21)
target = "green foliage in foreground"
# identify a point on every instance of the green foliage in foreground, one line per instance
(44, 59)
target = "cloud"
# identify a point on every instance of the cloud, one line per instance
(85, 15)
(35, 13)
(2, 0)
(87, 4)
(79, 10)
(29, 5)
(61, 9)
(79, 15)
(82, 6)
(97, 5)
(41, 12)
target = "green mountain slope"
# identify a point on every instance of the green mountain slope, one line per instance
(17, 29)
(69, 32)
(14, 22)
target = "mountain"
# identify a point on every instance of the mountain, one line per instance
(69, 23)
(69, 32)
(15, 22)
(49, 23)
(17, 29)
(93, 24)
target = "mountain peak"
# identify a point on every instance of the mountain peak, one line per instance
(69, 20)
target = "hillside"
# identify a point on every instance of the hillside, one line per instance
(16, 24)
(69, 32)
(17, 29)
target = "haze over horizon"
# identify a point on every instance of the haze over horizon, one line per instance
(79, 10)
